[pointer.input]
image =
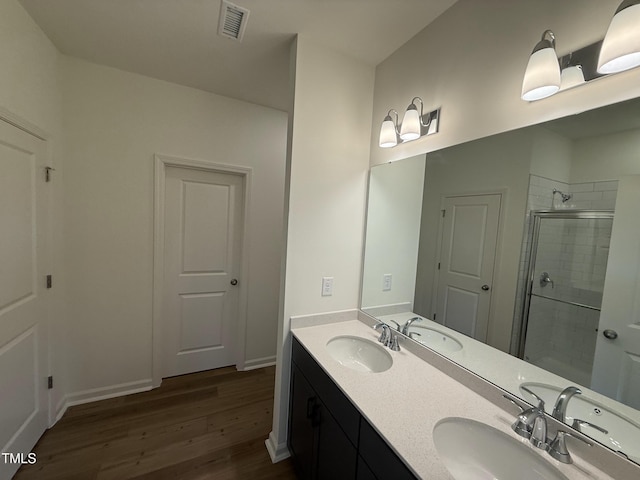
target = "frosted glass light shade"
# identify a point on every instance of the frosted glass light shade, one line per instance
(542, 76)
(410, 129)
(571, 77)
(621, 46)
(388, 136)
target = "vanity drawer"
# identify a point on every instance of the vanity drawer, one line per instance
(379, 457)
(347, 416)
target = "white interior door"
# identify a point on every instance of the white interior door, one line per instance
(23, 327)
(616, 367)
(469, 239)
(203, 230)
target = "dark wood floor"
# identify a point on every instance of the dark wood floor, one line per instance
(201, 426)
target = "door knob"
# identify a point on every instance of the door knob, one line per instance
(610, 334)
(234, 281)
(485, 287)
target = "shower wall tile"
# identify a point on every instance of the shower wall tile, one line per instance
(605, 186)
(582, 187)
(594, 196)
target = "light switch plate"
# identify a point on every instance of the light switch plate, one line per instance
(386, 282)
(327, 286)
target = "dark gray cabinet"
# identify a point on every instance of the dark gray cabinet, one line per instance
(303, 414)
(328, 438)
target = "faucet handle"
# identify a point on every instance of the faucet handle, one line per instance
(577, 424)
(539, 432)
(386, 332)
(558, 447)
(522, 409)
(526, 419)
(394, 344)
(398, 327)
(528, 423)
(530, 392)
(412, 334)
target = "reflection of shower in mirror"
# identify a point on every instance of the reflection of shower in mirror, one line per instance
(569, 245)
(565, 198)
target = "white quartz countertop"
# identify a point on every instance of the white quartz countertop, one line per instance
(405, 402)
(505, 370)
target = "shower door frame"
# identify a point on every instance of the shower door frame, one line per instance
(536, 216)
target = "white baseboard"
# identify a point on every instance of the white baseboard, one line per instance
(259, 363)
(276, 452)
(102, 393)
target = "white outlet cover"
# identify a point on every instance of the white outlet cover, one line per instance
(386, 282)
(327, 286)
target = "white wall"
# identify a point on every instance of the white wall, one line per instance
(595, 160)
(29, 89)
(328, 168)
(471, 60)
(393, 231)
(551, 154)
(114, 122)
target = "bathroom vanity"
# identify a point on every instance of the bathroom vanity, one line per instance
(328, 437)
(346, 422)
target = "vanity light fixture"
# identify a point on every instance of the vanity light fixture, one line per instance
(621, 46)
(414, 125)
(542, 76)
(571, 77)
(389, 131)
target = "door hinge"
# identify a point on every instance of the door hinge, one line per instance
(49, 281)
(443, 213)
(434, 317)
(47, 173)
(438, 265)
(50, 382)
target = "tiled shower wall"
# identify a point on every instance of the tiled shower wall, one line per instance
(593, 196)
(540, 198)
(575, 256)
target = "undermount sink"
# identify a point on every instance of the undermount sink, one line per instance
(435, 339)
(359, 354)
(474, 451)
(623, 433)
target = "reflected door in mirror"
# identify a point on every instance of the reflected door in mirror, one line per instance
(468, 252)
(616, 368)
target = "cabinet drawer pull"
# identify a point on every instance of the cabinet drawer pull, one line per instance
(316, 416)
(311, 402)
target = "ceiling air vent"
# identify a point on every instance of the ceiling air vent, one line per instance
(233, 20)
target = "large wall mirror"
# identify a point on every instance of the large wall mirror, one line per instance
(518, 257)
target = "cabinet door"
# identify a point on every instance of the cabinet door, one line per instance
(337, 457)
(380, 458)
(302, 432)
(364, 472)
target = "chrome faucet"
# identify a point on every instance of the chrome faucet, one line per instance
(385, 334)
(531, 423)
(405, 327)
(387, 337)
(560, 408)
(558, 448)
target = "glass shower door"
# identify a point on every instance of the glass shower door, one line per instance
(567, 269)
